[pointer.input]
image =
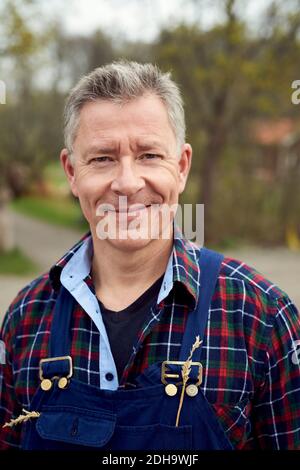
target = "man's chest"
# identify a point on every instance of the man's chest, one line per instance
(227, 368)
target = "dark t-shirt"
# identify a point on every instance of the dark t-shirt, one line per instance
(122, 327)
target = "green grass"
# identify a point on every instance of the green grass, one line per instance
(15, 262)
(57, 211)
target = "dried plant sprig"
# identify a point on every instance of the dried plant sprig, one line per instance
(22, 418)
(185, 373)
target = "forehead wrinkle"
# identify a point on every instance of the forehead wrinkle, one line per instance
(104, 146)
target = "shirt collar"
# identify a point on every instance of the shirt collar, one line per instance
(182, 267)
(55, 271)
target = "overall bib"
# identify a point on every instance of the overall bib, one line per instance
(84, 417)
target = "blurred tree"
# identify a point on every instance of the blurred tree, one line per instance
(91, 51)
(22, 132)
(18, 46)
(229, 76)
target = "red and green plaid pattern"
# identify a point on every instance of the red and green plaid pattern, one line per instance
(250, 377)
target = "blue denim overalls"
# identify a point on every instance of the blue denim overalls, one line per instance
(77, 416)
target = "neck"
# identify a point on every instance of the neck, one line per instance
(115, 270)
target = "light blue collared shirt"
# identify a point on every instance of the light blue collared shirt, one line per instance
(72, 278)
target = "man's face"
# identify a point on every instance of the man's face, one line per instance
(126, 152)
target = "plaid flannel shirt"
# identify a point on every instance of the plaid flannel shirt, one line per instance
(251, 370)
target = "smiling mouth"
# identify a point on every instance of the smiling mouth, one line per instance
(133, 209)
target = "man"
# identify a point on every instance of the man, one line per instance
(86, 343)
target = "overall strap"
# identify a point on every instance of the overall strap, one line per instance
(60, 336)
(210, 264)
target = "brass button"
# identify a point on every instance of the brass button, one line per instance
(171, 390)
(46, 385)
(63, 382)
(192, 390)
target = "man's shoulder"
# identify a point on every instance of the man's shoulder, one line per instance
(239, 275)
(35, 289)
(247, 277)
(32, 298)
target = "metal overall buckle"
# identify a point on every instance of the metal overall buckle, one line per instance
(171, 388)
(46, 384)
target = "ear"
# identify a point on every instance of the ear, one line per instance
(69, 170)
(185, 162)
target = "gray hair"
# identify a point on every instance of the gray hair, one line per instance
(119, 82)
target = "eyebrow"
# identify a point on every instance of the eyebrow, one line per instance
(100, 149)
(149, 144)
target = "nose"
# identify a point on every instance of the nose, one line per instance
(127, 182)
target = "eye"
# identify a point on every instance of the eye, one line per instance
(101, 159)
(150, 156)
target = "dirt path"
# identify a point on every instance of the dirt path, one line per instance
(42, 242)
(45, 244)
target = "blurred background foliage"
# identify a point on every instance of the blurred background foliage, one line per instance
(237, 85)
